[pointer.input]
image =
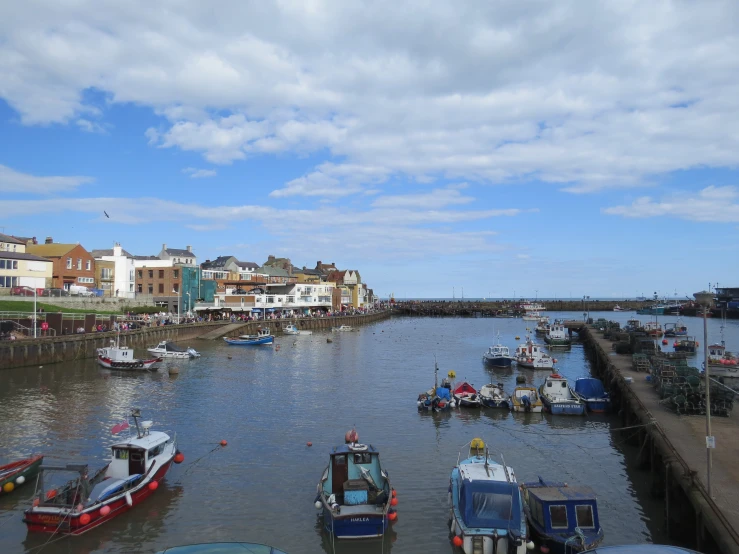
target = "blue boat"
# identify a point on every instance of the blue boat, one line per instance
(487, 512)
(498, 355)
(263, 336)
(354, 494)
(439, 398)
(562, 518)
(558, 398)
(591, 391)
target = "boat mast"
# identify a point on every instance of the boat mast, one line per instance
(136, 414)
(436, 374)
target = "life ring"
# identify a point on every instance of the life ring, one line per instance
(356, 447)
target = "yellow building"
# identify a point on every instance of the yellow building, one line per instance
(19, 269)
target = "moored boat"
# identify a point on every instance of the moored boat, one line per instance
(532, 355)
(531, 316)
(292, 329)
(653, 329)
(354, 496)
(342, 328)
(498, 355)
(562, 518)
(687, 344)
(526, 399)
(116, 356)
(593, 394)
(558, 335)
(15, 474)
(168, 349)
(137, 466)
(466, 395)
(542, 326)
(439, 398)
(678, 329)
(493, 396)
(618, 308)
(558, 398)
(263, 336)
(486, 509)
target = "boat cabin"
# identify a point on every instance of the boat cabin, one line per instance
(557, 508)
(716, 351)
(556, 387)
(489, 504)
(354, 476)
(117, 353)
(498, 351)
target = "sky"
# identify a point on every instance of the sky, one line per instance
(535, 149)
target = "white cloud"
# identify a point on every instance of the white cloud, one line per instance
(16, 182)
(195, 173)
(437, 198)
(712, 204)
(584, 96)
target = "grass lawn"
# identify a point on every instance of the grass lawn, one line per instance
(27, 306)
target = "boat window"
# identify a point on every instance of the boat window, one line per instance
(363, 458)
(564, 385)
(537, 512)
(158, 449)
(558, 515)
(488, 505)
(584, 516)
(549, 383)
(120, 454)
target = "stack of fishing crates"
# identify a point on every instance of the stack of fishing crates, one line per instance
(640, 362)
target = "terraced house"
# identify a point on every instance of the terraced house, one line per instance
(21, 269)
(72, 264)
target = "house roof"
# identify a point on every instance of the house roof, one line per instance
(10, 239)
(179, 252)
(25, 240)
(22, 256)
(273, 271)
(145, 257)
(307, 271)
(53, 250)
(336, 275)
(247, 265)
(220, 261)
(107, 252)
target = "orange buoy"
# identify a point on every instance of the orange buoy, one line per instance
(50, 494)
(395, 493)
(457, 541)
(664, 341)
(179, 458)
(85, 519)
(308, 443)
(153, 486)
(394, 501)
(392, 516)
(104, 511)
(224, 442)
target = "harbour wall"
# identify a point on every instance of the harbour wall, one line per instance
(465, 308)
(672, 453)
(48, 350)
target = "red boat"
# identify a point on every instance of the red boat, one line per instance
(466, 395)
(137, 466)
(13, 475)
(116, 356)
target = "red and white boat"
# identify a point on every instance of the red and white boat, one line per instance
(137, 466)
(116, 356)
(466, 396)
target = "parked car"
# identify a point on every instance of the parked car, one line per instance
(22, 291)
(239, 291)
(55, 292)
(76, 290)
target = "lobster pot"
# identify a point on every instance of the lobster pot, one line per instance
(355, 492)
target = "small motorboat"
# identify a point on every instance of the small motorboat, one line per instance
(593, 394)
(486, 508)
(653, 329)
(558, 398)
(342, 328)
(14, 474)
(168, 349)
(493, 396)
(354, 496)
(618, 308)
(562, 518)
(687, 344)
(263, 336)
(137, 466)
(293, 330)
(466, 396)
(526, 399)
(533, 356)
(678, 329)
(438, 398)
(721, 362)
(498, 355)
(542, 327)
(116, 356)
(226, 548)
(558, 335)
(531, 316)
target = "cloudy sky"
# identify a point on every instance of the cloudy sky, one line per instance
(528, 148)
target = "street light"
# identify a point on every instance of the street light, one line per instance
(705, 299)
(189, 299)
(35, 323)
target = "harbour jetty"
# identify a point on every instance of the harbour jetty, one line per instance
(504, 308)
(672, 451)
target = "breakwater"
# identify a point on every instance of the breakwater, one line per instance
(463, 308)
(672, 453)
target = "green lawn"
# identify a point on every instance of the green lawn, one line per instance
(27, 306)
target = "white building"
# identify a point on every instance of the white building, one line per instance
(124, 279)
(178, 256)
(293, 298)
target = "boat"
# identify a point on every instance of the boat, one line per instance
(263, 336)
(678, 329)
(354, 495)
(562, 518)
(633, 326)
(342, 328)
(721, 362)
(542, 327)
(466, 396)
(526, 399)
(439, 398)
(618, 308)
(226, 548)
(558, 398)
(533, 307)
(486, 509)
(532, 355)
(137, 466)
(687, 344)
(653, 329)
(14, 474)
(116, 356)
(168, 349)
(293, 330)
(558, 335)
(531, 316)
(655, 309)
(593, 394)
(498, 355)
(493, 396)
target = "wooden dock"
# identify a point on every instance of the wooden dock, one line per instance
(673, 447)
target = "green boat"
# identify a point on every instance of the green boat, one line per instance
(558, 335)
(13, 475)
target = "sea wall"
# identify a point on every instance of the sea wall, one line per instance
(466, 308)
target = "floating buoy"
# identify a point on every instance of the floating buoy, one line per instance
(520, 379)
(174, 370)
(230, 357)
(85, 519)
(519, 338)
(318, 505)
(477, 443)
(179, 458)
(224, 442)
(394, 501)
(8, 487)
(530, 545)
(329, 340)
(394, 493)
(153, 485)
(392, 516)
(50, 494)
(277, 347)
(104, 511)
(308, 443)
(451, 374)
(20, 480)
(457, 541)
(665, 341)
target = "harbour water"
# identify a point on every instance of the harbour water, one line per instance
(269, 402)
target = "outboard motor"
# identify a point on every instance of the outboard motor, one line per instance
(526, 403)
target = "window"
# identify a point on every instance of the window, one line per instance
(8, 264)
(130, 276)
(69, 263)
(151, 288)
(141, 274)
(106, 273)
(176, 287)
(7, 282)
(564, 384)
(161, 288)
(176, 274)
(88, 265)
(584, 516)
(79, 264)
(558, 515)
(140, 288)
(130, 287)
(120, 454)
(151, 274)
(363, 458)
(161, 274)
(549, 384)
(158, 449)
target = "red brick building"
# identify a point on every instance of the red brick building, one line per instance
(72, 264)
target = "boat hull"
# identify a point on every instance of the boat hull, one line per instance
(27, 469)
(557, 342)
(467, 401)
(494, 402)
(135, 365)
(535, 363)
(558, 545)
(355, 526)
(40, 519)
(562, 407)
(532, 409)
(598, 406)
(250, 342)
(498, 362)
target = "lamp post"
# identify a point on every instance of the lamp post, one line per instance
(189, 299)
(35, 323)
(705, 299)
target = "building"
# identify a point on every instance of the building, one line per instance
(159, 279)
(178, 256)
(72, 264)
(119, 279)
(21, 269)
(11, 244)
(282, 263)
(351, 282)
(325, 269)
(308, 275)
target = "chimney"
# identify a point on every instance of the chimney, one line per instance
(117, 250)
(49, 240)
(189, 248)
(270, 258)
(319, 263)
(34, 241)
(164, 246)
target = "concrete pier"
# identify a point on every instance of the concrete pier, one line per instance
(673, 449)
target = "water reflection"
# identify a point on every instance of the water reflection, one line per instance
(374, 546)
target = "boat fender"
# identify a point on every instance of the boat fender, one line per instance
(20, 480)
(129, 500)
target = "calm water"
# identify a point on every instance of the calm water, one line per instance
(268, 403)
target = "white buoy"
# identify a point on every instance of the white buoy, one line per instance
(129, 500)
(20, 480)
(530, 545)
(318, 505)
(453, 404)
(419, 403)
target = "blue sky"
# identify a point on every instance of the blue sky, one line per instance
(547, 149)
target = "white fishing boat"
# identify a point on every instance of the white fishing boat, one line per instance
(342, 328)
(618, 308)
(116, 356)
(533, 307)
(558, 335)
(168, 349)
(293, 330)
(531, 316)
(532, 355)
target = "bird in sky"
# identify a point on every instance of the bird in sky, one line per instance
(106, 214)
